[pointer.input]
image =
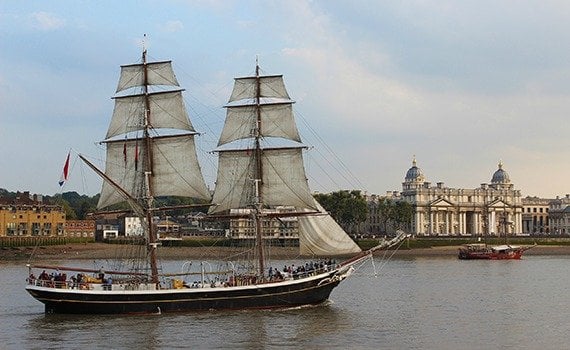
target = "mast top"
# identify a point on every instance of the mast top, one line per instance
(144, 45)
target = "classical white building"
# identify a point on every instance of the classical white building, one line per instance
(559, 213)
(494, 209)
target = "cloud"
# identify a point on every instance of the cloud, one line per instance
(46, 21)
(173, 26)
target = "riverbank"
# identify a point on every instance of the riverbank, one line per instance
(110, 251)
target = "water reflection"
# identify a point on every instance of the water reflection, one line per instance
(94, 331)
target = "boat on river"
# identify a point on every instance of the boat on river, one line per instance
(474, 251)
(147, 160)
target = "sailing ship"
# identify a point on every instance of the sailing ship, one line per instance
(143, 163)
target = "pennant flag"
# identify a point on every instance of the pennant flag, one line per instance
(125, 152)
(65, 171)
(136, 155)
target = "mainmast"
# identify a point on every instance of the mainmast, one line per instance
(258, 180)
(148, 174)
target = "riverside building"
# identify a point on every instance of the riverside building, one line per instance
(493, 209)
(559, 215)
(29, 216)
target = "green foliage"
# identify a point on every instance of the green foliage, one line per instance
(348, 208)
(76, 206)
(180, 201)
(396, 214)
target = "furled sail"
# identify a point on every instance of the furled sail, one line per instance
(176, 169)
(320, 235)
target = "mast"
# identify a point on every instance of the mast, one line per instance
(258, 180)
(148, 174)
(143, 119)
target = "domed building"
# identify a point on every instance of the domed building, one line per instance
(493, 209)
(500, 176)
(414, 177)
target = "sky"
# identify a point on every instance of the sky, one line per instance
(459, 85)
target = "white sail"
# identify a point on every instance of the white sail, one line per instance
(158, 73)
(260, 107)
(269, 86)
(277, 121)
(284, 181)
(176, 169)
(320, 235)
(167, 110)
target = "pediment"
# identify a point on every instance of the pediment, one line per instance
(441, 203)
(499, 204)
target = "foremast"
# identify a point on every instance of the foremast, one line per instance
(148, 174)
(150, 147)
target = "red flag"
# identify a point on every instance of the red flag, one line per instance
(136, 155)
(65, 171)
(125, 152)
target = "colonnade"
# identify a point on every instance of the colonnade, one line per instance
(435, 221)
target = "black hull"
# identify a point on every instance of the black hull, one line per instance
(307, 291)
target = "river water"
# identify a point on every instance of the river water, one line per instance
(413, 303)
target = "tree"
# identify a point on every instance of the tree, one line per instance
(385, 212)
(348, 208)
(403, 212)
(394, 214)
(69, 212)
(75, 205)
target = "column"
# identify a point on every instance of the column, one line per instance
(475, 223)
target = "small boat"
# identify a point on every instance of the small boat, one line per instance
(484, 251)
(143, 165)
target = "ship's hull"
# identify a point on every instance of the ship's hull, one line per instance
(481, 252)
(514, 255)
(291, 293)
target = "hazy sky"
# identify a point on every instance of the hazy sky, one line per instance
(459, 84)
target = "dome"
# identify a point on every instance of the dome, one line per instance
(500, 176)
(414, 173)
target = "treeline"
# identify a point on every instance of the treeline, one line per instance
(350, 210)
(77, 206)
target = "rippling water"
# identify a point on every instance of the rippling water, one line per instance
(416, 303)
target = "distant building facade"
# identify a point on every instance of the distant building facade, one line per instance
(535, 218)
(493, 209)
(80, 228)
(29, 216)
(559, 215)
(285, 227)
(133, 226)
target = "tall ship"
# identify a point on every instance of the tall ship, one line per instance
(151, 153)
